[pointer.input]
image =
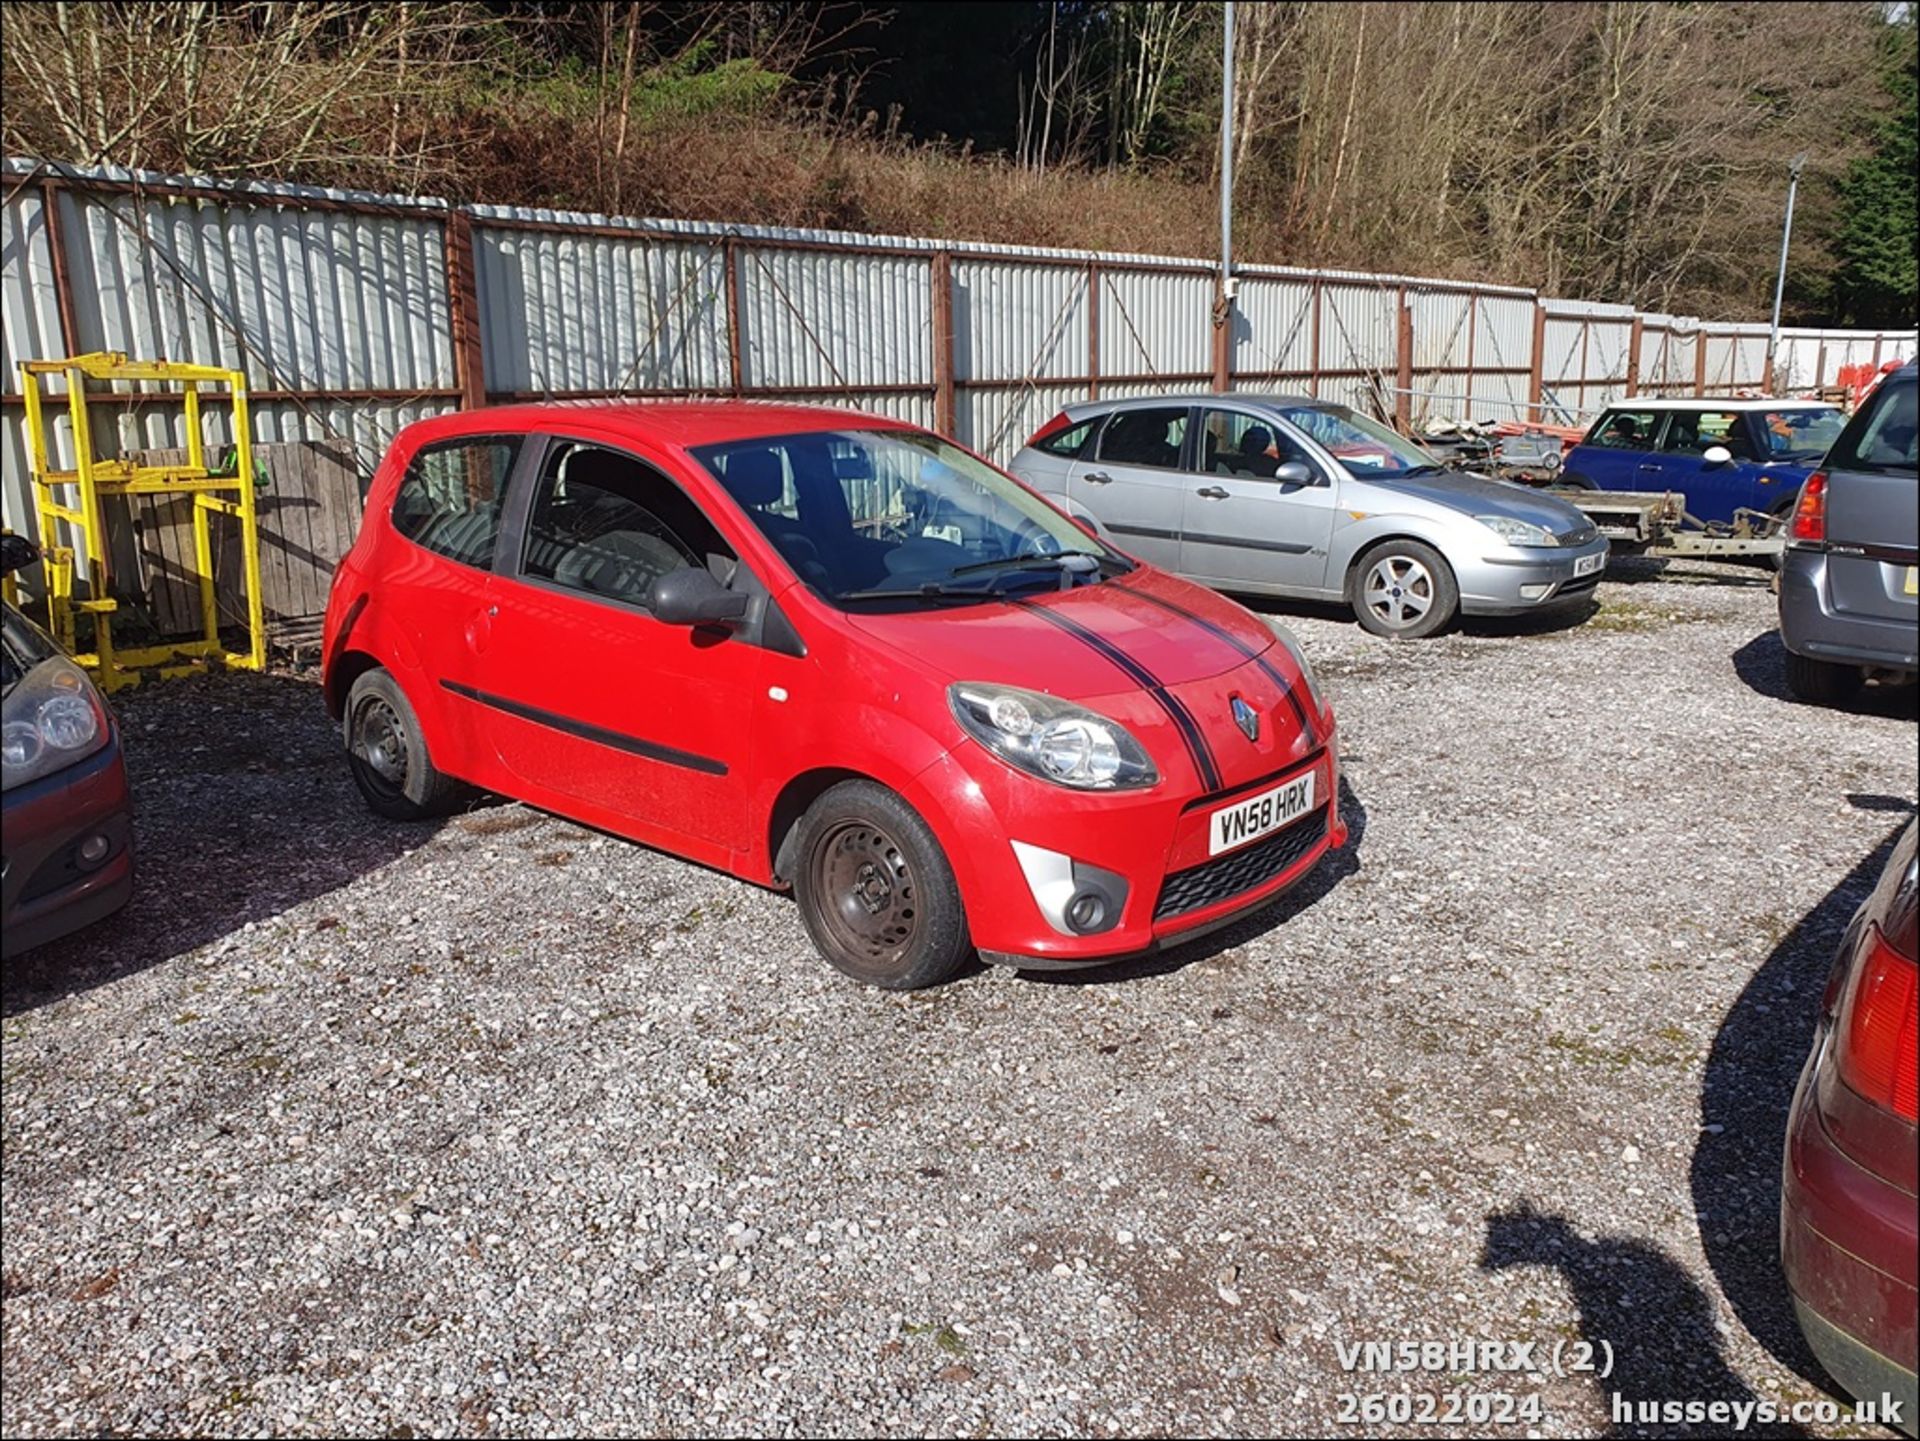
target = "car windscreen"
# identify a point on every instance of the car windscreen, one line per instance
(1368, 449)
(1881, 435)
(1800, 434)
(901, 515)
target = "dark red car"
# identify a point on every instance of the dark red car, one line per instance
(1848, 1209)
(832, 652)
(66, 811)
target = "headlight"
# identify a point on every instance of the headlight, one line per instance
(1517, 532)
(1053, 739)
(53, 718)
(1299, 653)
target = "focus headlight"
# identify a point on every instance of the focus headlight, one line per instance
(1517, 532)
(1299, 653)
(1053, 739)
(52, 719)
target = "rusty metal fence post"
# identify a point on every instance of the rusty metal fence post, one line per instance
(943, 358)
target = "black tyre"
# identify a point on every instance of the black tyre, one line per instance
(388, 754)
(1403, 589)
(1572, 480)
(1821, 682)
(876, 892)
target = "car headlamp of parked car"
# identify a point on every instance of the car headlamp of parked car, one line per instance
(1517, 532)
(52, 719)
(1051, 738)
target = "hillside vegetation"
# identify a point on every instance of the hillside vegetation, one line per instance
(1623, 151)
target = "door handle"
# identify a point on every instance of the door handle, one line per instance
(1212, 492)
(1650, 466)
(1097, 477)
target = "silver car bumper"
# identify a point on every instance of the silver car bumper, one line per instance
(1811, 626)
(1523, 580)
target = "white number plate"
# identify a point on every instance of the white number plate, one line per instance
(1588, 564)
(1248, 820)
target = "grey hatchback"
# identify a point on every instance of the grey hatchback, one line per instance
(1286, 496)
(1850, 582)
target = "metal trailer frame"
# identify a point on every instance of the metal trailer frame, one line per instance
(1657, 523)
(95, 478)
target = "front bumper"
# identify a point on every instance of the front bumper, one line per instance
(1841, 1227)
(1524, 579)
(1810, 626)
(1155, 841)
(48, 890)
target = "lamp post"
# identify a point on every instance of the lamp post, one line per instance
(1780, 281)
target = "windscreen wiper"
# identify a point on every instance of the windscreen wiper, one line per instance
(1057, 560)
(932, 590)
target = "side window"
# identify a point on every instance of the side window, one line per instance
(1070, 442)
(1692, 432)
(1626, 430)
(610, 525)
(450, 497)
(1145, 437)
(1235, 443)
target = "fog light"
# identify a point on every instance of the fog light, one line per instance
(94, 849)
(1534, 592)
(1085, 912)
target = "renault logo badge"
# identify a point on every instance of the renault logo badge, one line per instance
(1247, 718)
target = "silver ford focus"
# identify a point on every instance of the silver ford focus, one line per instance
(1277, 495)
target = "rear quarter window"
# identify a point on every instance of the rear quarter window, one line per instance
(449, 500)
(1070, 442)
(1882, 437)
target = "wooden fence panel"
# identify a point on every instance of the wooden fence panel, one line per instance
(308, 516)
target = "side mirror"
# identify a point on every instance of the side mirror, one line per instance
(1294, 472)
(691, 596)
(16, 553)
(1716, 455)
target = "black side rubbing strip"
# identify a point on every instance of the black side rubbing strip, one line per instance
(1181, 717)
(599, 735)
(1273, 673)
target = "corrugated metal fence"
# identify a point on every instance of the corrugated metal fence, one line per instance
(353, 314)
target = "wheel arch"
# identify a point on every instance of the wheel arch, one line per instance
(792, 802)
(347, 668)
(1367, 546)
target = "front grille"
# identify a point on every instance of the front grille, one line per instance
(1579, 535)
(1228, 876)
(1580, 585)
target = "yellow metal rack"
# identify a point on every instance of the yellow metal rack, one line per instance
(92, 479)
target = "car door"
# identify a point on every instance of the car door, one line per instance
(1714, 489)
(1621, 451)
(1132, 483)
(1242, 526)
(586, 695)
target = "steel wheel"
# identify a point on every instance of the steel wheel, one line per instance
(868, 905)
(1399, 591)
(380, 745)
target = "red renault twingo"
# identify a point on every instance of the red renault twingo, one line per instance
(833, 652)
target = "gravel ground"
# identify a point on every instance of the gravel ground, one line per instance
(501, 1126)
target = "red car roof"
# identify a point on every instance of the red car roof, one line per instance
(678, 422)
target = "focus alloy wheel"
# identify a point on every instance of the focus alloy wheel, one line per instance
(1403, 589)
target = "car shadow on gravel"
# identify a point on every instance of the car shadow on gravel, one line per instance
(1650, 1327)
(1625, 568)
(1751, 1072)
(1332, 870)
(243, 807)
(1570, 616)
(1762, 664)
